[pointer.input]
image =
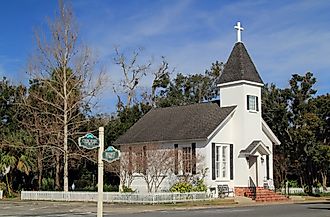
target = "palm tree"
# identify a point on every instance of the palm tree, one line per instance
(7, 161)
(25, 164)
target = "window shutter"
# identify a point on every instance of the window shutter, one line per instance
(231, 162)
(267, 166)
(176, 159)
(257, 103)
(247, 102)
(130, 165)
(144, 160)
(193, 151)
(213, 161)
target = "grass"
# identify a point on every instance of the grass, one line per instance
(316, 198)
(215, 202)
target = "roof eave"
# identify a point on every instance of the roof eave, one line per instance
(233, 83)
(265, 149)
(270, 133)
(162, 141)
(224, 122)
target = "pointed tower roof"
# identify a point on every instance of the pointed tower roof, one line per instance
(239, 67)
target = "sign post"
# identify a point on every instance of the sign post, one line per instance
(100, 174)
(90, 141)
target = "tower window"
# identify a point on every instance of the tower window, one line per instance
(252, 103)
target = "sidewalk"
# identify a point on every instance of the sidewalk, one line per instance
(223, 203)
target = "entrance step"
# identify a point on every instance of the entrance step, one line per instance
(265, 195)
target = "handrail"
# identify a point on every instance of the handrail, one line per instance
(252, 188)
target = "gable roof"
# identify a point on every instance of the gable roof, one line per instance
(190, 122)
(239, 66)
(256, 145)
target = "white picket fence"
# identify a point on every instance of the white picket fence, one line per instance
(115, 197)
(1, 194)
(301, 190)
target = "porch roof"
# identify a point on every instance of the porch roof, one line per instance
(256, 145)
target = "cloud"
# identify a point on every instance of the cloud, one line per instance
(282, 37)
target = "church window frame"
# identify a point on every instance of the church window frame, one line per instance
(222, 162)
(187, 160)
(252, 103)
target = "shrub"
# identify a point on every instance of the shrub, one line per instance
(110, 188)
(3, 186)
(106, 188)
(47, 184)
(200, 186)
(293, 184)
(182, 187)
(127, 189)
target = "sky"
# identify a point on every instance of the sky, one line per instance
(282, 37)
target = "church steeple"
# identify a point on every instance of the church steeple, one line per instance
(239, 67)
(240, 85)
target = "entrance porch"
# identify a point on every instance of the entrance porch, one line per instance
(257, 157)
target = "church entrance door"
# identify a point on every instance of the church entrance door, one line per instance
(253, 167)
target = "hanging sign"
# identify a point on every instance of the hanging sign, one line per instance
(88, 141)
(111, 154)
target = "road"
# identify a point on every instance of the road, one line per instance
(60, 209)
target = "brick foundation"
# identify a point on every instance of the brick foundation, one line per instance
(260, 194)
(241, 191)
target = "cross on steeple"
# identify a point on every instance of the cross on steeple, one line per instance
(239, 30)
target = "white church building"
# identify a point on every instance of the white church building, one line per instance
(234, 141)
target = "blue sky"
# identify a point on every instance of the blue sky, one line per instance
(282, 37)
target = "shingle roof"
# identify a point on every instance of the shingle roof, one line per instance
(196, 121)
(256, 145)
(239, 67)
(252, 146)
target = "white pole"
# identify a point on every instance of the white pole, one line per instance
(100, 174)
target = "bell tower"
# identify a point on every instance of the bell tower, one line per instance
(240, 84)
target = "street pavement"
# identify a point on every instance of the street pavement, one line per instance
(62, 209)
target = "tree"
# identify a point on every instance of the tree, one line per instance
(15, 154)
(301, 122)
(38, 123)
(7, 161)
(213, 75)
(188, 89)
(125, 168)
(124, 119)
(321, 152)
(275, 113)
(302, 126)
(133, 72)
(66, 70)
(161, 80)
(153, 163)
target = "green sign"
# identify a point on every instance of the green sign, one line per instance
(88, 141)
(111, 154)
